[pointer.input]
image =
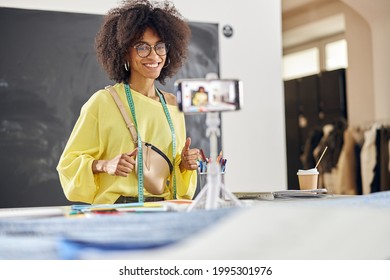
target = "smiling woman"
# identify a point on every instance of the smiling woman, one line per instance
(102, 162)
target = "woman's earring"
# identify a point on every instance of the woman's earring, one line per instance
(166, 64)
(127, 66)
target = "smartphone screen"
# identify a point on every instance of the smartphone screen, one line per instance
(202, 95)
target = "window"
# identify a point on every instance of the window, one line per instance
(336, 55)
(302, 63)
(321, 55)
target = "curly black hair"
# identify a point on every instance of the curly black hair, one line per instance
(125, 25)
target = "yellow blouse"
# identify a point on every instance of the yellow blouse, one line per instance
(101, 133)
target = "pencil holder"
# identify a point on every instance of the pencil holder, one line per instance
(202, 178)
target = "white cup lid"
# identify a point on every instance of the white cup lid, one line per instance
(312, 171)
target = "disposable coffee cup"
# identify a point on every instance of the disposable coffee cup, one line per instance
(308, 179)
(202, 177)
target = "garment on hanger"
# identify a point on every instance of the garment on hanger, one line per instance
(346, 167)
(384, 158)
(375, 183)
(368, 159)
(313, 139)
(333, 139)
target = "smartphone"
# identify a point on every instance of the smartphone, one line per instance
(204, 95)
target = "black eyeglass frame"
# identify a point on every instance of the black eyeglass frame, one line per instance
(166, 47)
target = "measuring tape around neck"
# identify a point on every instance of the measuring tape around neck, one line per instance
(166, 111)
(139, 143)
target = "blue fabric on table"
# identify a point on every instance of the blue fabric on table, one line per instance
(63, 237)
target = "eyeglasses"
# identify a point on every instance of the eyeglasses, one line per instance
(144, 49)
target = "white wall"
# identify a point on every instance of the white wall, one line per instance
(377, 15)
(360, 80)
(254, 138)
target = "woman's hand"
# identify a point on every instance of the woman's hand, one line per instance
(120, 165)
(189, 157)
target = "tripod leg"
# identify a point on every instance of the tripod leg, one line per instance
(231, 196)
(212, 197)
(198, 198)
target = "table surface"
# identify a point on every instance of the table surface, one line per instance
(332, 227)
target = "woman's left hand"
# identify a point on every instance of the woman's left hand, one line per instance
(189, 157)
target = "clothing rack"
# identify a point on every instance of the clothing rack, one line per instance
(358, 162)
(368, 124)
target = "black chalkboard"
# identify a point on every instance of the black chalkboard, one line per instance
(48, 69)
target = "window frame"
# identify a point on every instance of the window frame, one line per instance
(320, 44)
